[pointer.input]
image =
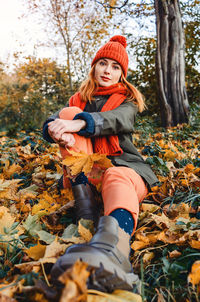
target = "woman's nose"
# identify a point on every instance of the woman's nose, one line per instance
(107, 69)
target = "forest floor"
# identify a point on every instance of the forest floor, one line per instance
(37, 225)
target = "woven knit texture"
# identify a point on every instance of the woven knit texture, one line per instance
(115, 49)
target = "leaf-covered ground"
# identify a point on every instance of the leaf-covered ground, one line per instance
(37, 224)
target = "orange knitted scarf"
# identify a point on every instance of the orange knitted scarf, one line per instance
(109, 144)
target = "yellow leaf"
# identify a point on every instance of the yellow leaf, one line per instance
(40, 209)
(86, 233)
(6, 220)
(46, 204)
(146, 207)
(45, 196)
(82, 162)
(117, 296)
(194, 276)
(101, 160)
(127, 296)
(76, 161)
(138, 245)
(36, 252)
(148, 256)
(53, 252)
(8, 189)
(142, 237)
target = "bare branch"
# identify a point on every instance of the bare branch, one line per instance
(110, 6)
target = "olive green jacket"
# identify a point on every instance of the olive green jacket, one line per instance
(119, 121)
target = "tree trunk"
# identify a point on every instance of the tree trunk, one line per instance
(170, 63)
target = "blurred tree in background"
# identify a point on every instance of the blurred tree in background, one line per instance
(75, 26)
(38, 87)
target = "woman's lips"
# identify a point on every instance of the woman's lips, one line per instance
(105, 79)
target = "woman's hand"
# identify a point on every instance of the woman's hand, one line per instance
(67, 140)
(58, 127)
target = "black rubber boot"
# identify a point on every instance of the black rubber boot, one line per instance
(110, 269)
(85, 203)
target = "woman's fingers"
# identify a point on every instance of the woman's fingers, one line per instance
(56, 127)
(68, 139)
(55, 135)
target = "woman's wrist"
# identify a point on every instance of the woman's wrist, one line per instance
(89, 125)
(81, 124)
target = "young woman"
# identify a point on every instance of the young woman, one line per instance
(100, 118)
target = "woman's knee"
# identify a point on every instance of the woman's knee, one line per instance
(68, 113)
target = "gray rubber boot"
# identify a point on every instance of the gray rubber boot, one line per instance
(85, 203)
(110, 269)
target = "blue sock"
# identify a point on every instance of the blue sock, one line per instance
(125, 220)
(80, 179)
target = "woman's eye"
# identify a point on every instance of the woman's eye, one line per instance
(102, 63)
(116, 67)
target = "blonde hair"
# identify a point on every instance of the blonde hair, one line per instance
(90, 85)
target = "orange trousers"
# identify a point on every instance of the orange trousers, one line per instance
(122, 187)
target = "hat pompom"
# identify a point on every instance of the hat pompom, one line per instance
(119, 39)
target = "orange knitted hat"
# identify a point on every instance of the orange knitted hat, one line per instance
(115, 49)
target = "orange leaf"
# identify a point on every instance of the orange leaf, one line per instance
(174, 254)
(189, 168)
(194, 276)
(14, 168)
(138, 245)
(170, 155)
(195, 244)
(75, 282)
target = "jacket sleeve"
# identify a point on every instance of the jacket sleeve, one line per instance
(46, 135)
(116, 121)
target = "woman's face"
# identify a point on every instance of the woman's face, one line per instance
(107, 72)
